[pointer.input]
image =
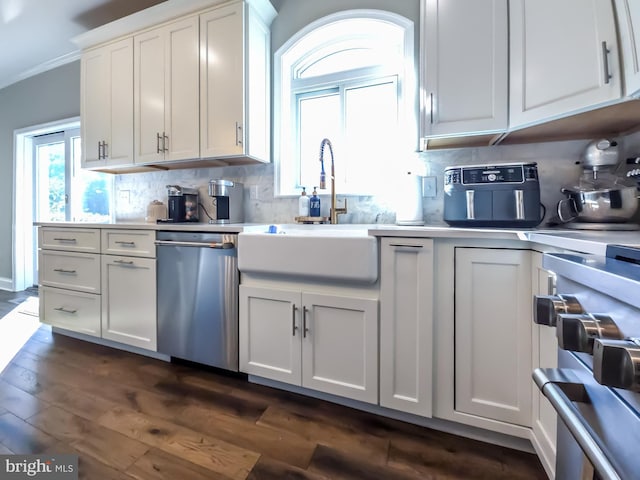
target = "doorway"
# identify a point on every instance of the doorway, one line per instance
(51, 186)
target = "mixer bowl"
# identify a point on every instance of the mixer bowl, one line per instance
(609, 205)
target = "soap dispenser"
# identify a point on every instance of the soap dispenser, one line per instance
(314, 204)
(303, 204)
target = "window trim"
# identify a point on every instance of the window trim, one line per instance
(284, 126)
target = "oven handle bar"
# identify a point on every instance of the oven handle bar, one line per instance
(555, 385)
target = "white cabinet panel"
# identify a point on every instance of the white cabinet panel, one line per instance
(558, 59)
(69, 239)
(75, 311)
(73, 271)
(493, 334)
(464, 67)
(137, 243)
(406, 325)
(129, 301)
(628, 15)
(270, 334)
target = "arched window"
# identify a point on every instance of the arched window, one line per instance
(349, 77)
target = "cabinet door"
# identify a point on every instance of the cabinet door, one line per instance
(340, 346)
(493, 305)
(129, 301)
(95, 106)
(119, 148)
(148, 94)
(270, 333)
(182, 90)
(558, 58)
(406, 325)
(628, 15)
(222, 81)
(545, 355)
(465, 67)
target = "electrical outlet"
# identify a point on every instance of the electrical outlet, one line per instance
(253, 192)
(429, 187)
(124, 197)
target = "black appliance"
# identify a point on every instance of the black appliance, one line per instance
(501, 195)
(183, 204)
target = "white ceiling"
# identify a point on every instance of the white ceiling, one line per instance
(36, 34)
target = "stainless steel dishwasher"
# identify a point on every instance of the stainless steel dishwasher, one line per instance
(198, 297)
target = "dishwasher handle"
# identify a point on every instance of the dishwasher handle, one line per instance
(217, 245)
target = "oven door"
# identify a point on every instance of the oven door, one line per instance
(598, 431)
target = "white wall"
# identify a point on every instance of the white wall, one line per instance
(50, 96)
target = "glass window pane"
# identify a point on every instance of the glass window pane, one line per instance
(319, 117)
(50, 182)
(90, 191)
(339, 62)
(371, 127)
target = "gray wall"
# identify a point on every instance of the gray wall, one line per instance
(47, 97)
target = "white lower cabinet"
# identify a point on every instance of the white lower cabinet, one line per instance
(545, 355)
(493, 305)
(71, 310)
(129, 301)
(406, 325)
(320, 341)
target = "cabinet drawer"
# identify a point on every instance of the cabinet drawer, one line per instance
(76, 311)
(73, 271)
(138, 243)
(69, 239)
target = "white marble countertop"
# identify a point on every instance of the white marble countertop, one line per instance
(585, 241)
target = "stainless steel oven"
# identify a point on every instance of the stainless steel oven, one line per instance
(595, 389)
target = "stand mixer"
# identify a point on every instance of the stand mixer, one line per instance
(602, 199)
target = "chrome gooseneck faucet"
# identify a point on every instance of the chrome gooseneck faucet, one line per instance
(334, 212)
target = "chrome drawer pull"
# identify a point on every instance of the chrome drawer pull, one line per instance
(65, 240)
(129, 244)
(293, 319)
(62, 309)
(124, 262)
(62, 270)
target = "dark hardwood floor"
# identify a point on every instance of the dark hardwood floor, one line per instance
(131, 417)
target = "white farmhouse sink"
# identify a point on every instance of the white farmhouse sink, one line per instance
(323, 252)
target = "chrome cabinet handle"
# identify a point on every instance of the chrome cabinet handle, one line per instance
(122, 242)
(519, 194)
(165, 142)
(431, 106)
(305, 330)
(100, 151)
(561, 391)
(605, 62)
(293, 319)
(124, 262)
(105, 150)
(401, 245)
(158, 143)
(72, 240)
(238, 133)
(62, 270)
(62, 309)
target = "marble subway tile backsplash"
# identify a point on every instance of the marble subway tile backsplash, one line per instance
(558, 164)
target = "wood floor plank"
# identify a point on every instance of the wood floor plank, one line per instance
(195, 447)
(281, 445)
(89, 406)
(342, 465)
(440, 456)
(23, 438)
(159, 465)
(270, 469)
(22, 378)
(19, 402)
(362, 444)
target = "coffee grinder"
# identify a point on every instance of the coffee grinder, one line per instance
(228, 198)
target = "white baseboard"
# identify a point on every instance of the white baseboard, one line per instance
(7, 284)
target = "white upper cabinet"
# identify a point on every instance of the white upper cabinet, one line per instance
(563, 58)
(166, 92)
(464, 70)
(234, 83)
(107, 105)
(628, 15)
